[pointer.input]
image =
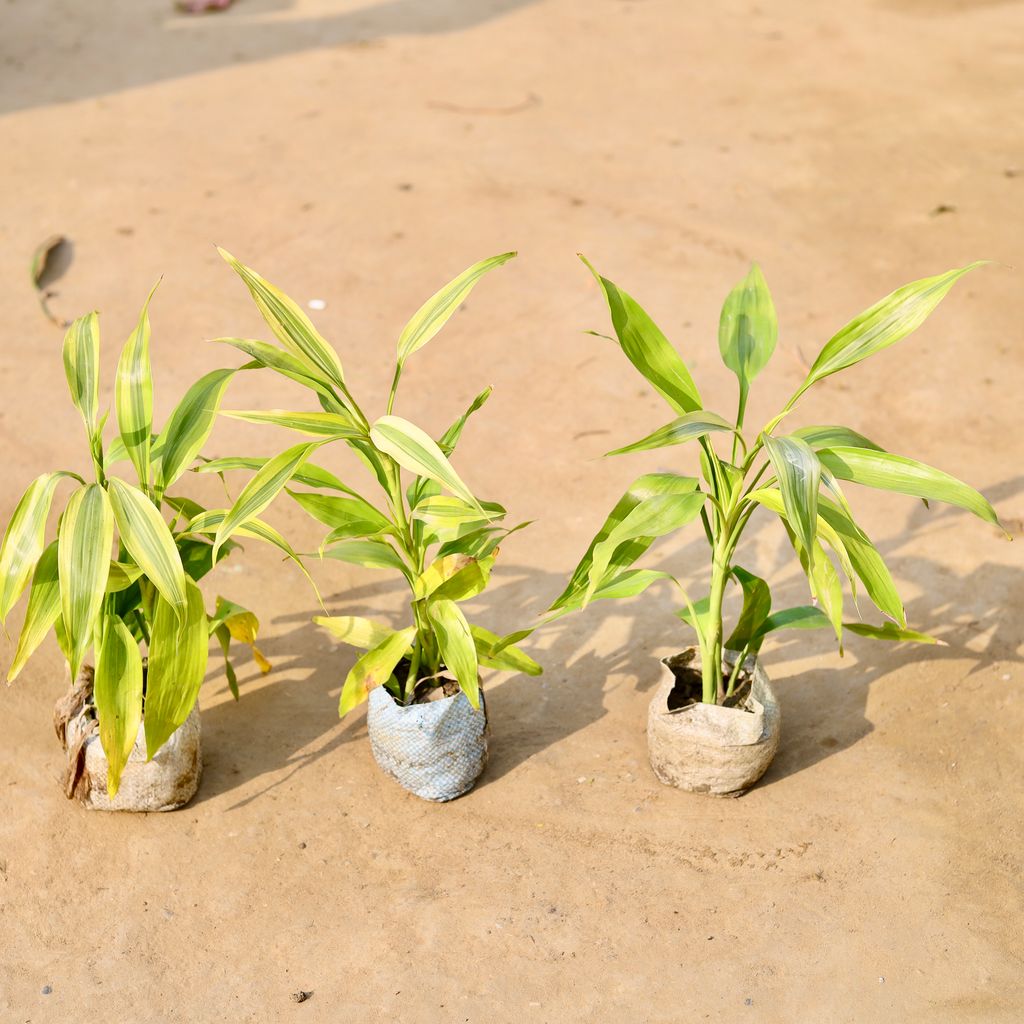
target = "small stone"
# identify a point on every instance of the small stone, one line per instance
(748, 1001)
(47, 989)
(582, 778)
(300, 996)
(302, 846)
(881, 981)
(317, 304)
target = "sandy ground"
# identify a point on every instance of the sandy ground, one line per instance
(363, 154)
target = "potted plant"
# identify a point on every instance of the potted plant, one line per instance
(714, 721)
(426, 715)
(130, 725)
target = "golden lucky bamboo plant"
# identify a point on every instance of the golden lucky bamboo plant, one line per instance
(796, 476)
(430, 527)
(147, 595)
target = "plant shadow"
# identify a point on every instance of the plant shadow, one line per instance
(176, 45)
(293, 715)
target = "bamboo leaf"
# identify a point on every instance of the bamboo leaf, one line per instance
(374, 669)
(308, 474)
(291, 326)
(373, 554)
(445, 511)
(890, 631)
(261, 490)
(355, 631)
(454, 578)
(834, 437)
(177, 664)
(455, 642)
(190, 425)
(906, 476)
(81, 367)
(436, 311)
(347, 517)
(121, 576)
(757, 606)
(417, 452)
(507, 659)
(654, 517)
(803, 617)
(148, 540)
(866, 561)
(83, 557)
(133, 396)
(888, 321)
(42, 612)
(799, 475)
(25, 539)
(117, 691)
(648, 349)
(685, 428)
(332, 425)
(451, 436)
(284, 363)
(748, 331)
(209, 522)
(640, 490)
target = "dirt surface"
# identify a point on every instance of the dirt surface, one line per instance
(362, 154)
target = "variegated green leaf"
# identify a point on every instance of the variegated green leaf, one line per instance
(284, 363)
(436, 311)
(82, 368)
(906, 476)
(508, 659)
(757, 605)
(148, 540)
(25, 539)
(354, 631)
(450, 438)
(884, 324)
(417, 452)
(333, 425)
(747, 331)
(178, 656)
(117, 691)
(640, 490)
(654, 517)
(83, 557)
(261, 490)
(133, 396)
(291, 326)
(187, 430)
(373, 554)
(458, 651)
(121, 576)
(43, 609)
(309, 474)
(685, 428)
(799, 477)
(648, 349)
(374, 669)
(834, 437)
(347, 517)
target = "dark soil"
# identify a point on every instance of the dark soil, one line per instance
(689, 687)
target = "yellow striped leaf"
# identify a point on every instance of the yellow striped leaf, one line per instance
(261, 490)
(118, 694)
(133, 395)
(43, 609)
(149, 541)
(315, 424)
(456, 644)
(25, 539)
(355, 631)
(416, 451)
(177, 665)
(291, 326)
(83, 558)
(374, 669)
(190, 424)
(81, 367)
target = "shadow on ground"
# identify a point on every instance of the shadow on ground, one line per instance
(88, 47)
(290, 722)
